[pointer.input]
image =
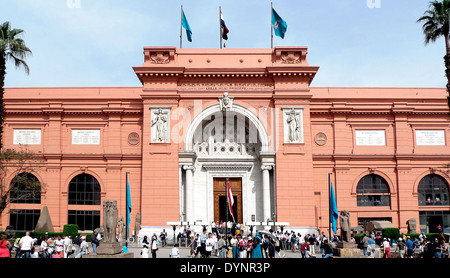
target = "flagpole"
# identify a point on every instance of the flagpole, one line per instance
(271, 27)
(329, 205)
(181, 28)
(226, 218)
(220, 26)
(126, 209)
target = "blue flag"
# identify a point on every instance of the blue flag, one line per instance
(128, 205)
(279, 25)
(333, 210)
(186, 26)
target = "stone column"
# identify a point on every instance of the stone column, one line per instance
(266, 192)
(189, 193)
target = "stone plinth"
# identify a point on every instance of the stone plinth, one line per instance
(112, 256)
(107, 248)
(347, 250)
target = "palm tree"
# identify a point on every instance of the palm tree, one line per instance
(436, 24)
(11, 48)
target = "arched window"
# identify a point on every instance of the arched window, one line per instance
(25, 189)
(372, 190)
(433, 191)
(84, 189)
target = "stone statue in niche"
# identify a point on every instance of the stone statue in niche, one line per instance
(225, 102)
(160, 128)
(293, 126)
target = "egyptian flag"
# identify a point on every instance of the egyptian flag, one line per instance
(230, 199)
(223, 28)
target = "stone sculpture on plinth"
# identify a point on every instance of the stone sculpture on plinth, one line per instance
(346, 248)
(109, 245)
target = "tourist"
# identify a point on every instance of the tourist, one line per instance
(294, 242)
(94, 242)
(242, 242)
(437, 248)
(59, 247)
(312, 242)
(221, 244)
(386, 248)
(144, 251)
(202, 243)
(84, 248)
(192, 246)
(371, 247)
(209, 243)
(365, 244)
(303, 248)
(5, 247)
(175, 252)
(34, 254)
(154, 245)
(163, 237)
(249, 247)
(410, 248)
(76, 244)
(45, 250)
(328, 249)
(271, 248)
(256, 252)
(67, 246)
(401, 248)
(25, 245)
(234, 246)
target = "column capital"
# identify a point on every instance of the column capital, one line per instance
(189, 167)
(266, 167)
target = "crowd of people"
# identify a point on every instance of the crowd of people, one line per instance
(406, 246)
(60, 246)
(230, 240)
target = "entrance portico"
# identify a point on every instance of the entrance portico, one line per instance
(221, 144)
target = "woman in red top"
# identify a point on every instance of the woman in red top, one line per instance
(4, 247)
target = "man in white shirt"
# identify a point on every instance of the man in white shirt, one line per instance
(67, 246)
(175, 253)
(59, 246)
(209, 245)
(83, 247)
(25, 245)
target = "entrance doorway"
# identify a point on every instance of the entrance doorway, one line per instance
(220, 199)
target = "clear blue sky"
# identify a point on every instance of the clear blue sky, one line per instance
(97, 42)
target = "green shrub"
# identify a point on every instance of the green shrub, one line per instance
(393, 233)
(70, 230)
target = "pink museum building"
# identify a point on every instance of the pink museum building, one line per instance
(204, 115)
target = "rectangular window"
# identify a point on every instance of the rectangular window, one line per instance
(85, 219)
(24, 219)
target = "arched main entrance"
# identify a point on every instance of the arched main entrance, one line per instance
(222, 144)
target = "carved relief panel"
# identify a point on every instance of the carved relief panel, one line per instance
(160, 129)
(293, 124)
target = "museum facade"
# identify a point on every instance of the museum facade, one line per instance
(249, 116)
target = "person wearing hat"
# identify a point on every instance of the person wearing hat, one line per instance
(401, 248)
(83, 247)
